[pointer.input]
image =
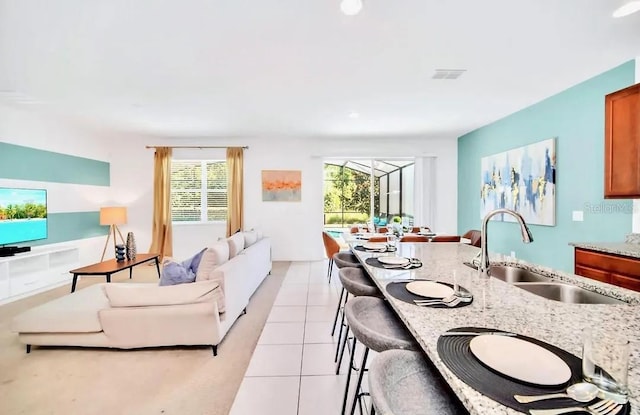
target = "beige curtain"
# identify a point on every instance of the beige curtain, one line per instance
(161, 239)
(234, 189)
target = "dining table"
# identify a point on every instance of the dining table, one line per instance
(498, 305)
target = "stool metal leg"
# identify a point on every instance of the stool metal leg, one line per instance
(346, 386)
(357, 394)
(330, 269)
(342, 325)
(335, 320)
(341, 348)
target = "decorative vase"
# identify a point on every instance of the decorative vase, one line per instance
(131, 246)
(120, 253)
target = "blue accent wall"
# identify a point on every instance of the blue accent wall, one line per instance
(576, 118)
(26, 163)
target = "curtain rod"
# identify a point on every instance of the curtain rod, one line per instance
(200, 147)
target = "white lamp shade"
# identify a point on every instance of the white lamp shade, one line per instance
(113, 215)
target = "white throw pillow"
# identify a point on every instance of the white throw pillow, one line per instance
(236, 244)
(215, 255)
(259, 233)
(250, 238)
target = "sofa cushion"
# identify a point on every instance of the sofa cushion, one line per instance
(144, 295)
(214, 256)
(73, 313)
(250, 238)
(236, 244)
(174, 273)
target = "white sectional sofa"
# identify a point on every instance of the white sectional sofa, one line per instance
(133, 315)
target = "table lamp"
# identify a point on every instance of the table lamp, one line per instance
(112, 216)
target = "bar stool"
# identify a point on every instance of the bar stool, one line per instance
(376, 326)
(402, 382)
(343, 260)
(356, 282)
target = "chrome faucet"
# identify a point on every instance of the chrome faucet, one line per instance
(484, 250)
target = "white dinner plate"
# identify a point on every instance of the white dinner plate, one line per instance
(520, 360)
(393, 260)
(374, 245)
(429, 289)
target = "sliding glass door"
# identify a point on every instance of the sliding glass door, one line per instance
(365, 191)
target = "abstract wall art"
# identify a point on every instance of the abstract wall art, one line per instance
(522, 179)
(281, 185)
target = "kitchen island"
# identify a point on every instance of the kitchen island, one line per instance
(500, 305)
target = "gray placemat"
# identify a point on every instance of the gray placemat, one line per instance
(455, 353)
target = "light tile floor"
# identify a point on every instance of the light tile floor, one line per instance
(292, 370)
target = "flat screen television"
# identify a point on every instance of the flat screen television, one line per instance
(23, 215)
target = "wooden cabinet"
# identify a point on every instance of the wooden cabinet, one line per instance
(622, 143)
(613, 269)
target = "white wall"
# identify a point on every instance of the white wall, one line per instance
(295, 228)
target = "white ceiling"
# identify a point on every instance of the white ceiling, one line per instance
(186, 68)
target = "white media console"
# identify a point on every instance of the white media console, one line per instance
(40, 269)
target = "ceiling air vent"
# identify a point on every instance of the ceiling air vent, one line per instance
(448, 73)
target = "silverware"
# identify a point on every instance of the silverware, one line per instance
(405, 266)
(604, 407)
(475, 333)
(454, 302)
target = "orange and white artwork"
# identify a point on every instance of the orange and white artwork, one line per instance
(281, 185)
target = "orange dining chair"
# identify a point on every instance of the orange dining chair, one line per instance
(378, 239)
(383, 229)
(475, 236)
(331, 247)
(446, 238)
(414, 238)
(415, 229)
(356, 229)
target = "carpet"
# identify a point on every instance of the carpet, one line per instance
(87, 381)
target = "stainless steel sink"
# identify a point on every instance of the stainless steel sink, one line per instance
(567, 293)
(514, 274)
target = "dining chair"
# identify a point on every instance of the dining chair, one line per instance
(383, 229)
(378, 239)
(402, 382)
(414, 238)
(331, 247)
(415, 229)
(446, 238)
(475, 236)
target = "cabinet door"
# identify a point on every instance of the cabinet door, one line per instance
(622, 143)
(594, 274)
(626, 281)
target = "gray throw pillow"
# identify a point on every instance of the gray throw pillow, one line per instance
(174, 273)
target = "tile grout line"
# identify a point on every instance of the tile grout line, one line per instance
(304, 332)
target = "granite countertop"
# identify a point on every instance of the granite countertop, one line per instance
(502, 306)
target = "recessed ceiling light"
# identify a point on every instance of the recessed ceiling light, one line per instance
(351, 7)
(354, 115)
(627, 8)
